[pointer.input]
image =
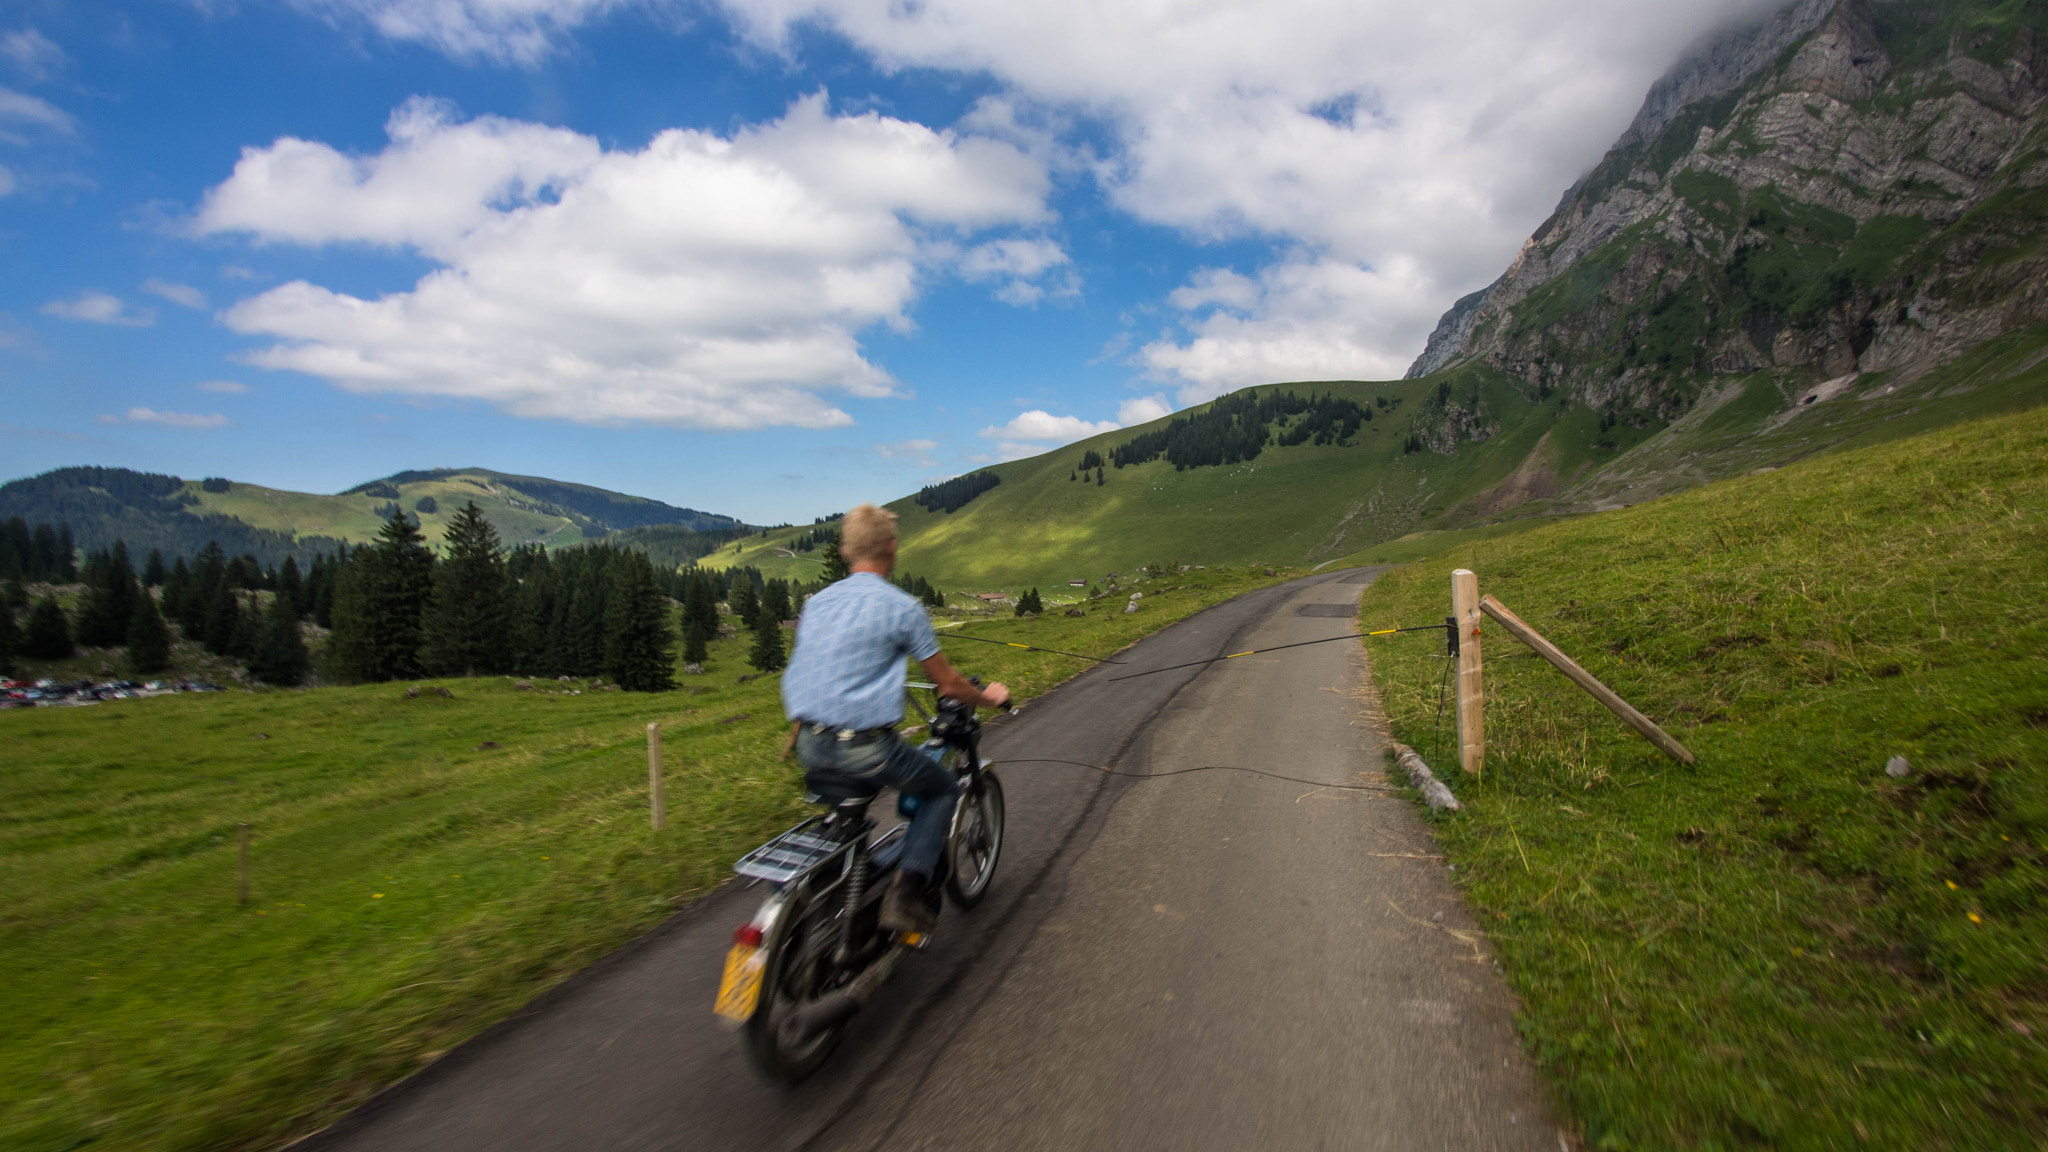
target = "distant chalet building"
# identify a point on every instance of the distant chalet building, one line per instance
(1077, 583)
(992, 597)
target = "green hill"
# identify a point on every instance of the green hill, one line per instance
(179, 516)
(1464, 448)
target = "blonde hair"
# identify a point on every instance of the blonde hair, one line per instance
(865, 533)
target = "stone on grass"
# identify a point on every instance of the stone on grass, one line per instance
(1896, 767)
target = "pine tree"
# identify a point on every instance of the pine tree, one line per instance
(13, 597)
(836, 568)
(10, 638)
(379, 601)
(775, 600)
(209, 569)
(746, 604)
(767, 653)
(48, 635)
(323, 600)
(1098, 478)
(110, 595)
(153, 570)
(279, 655)
(535, 588)
(17, 549)
(465, 623)
(700, 618)
(1029, 604)
(176, 586)
(67, 556)
(639, 641)
(99, 624)
(291, 586)
(223, 617)
(248, 629)
(149, 638)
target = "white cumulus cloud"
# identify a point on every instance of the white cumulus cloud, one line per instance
(1396, 153)
(1306, 318)
(1143, 410)
(95, 307)
(918, 452)
(176, 293)
(31, 53)
(19, 111)
(513, 31)
(1019, 264)
(702, 281)
(167, 419)
(1041, 425)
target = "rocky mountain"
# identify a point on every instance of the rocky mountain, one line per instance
(1846, 188)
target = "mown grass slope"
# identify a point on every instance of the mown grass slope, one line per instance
(1784, 946)
(420, 867)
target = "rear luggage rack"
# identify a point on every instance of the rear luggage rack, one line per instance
(790, 855)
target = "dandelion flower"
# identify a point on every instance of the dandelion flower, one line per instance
(1951, 884)
(1976, 919)
(376, 895)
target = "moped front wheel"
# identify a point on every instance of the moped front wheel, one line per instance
(977, 842)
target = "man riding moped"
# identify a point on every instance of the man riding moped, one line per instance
(844, 687)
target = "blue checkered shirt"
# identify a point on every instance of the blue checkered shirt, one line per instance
(847, 670)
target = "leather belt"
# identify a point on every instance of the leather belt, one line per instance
(852, 735)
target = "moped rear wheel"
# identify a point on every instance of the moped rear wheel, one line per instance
(799, 971)
(977, 842)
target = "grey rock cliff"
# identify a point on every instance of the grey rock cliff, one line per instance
(1841, 186)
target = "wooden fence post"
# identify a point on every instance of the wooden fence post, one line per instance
(241, 863)
(1471, 696)
(657, 795)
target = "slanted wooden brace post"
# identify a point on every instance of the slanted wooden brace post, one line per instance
(1471, 695)
(1612, 701)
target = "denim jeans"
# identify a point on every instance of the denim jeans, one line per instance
(836, 768)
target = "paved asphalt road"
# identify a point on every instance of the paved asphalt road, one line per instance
(1214, 960)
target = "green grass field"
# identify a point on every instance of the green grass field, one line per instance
(420, 867)
(1784, 946)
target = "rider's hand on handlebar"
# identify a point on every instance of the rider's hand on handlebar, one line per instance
(998, 695)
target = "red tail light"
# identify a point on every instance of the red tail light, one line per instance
(747, 935)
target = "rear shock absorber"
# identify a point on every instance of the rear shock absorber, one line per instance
(856, 887)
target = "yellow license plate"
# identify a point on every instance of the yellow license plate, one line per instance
(740, 990)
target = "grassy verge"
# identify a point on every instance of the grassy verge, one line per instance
(1785, 946)
(421, 866)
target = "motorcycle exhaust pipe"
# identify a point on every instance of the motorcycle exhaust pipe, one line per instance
(836, 1008)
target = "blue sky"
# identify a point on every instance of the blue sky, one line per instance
(762, 257)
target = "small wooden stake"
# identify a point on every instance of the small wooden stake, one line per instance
(242, 863)
(657, 795)
(1584, 679)
(1471, 698)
